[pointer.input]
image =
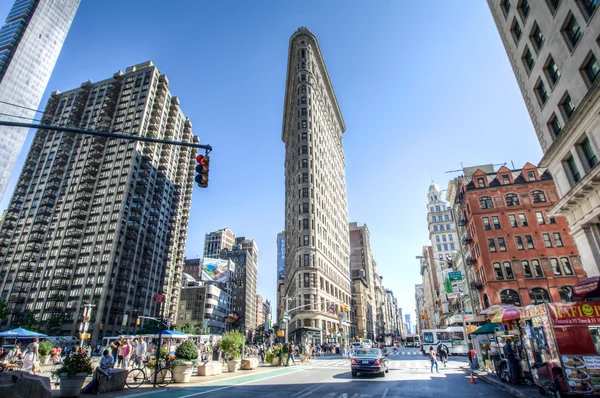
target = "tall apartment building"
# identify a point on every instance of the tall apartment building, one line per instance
(204, 304)
(317, 260)
(215, 242)
(442, 234)
(244, 254)
(363, 286)
(553, 49)
(193, 267)
(30, 42)
(520, 254)
(100, 220)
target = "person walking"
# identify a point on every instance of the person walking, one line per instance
(290, 352)
(140, 352)
(433, 359)
(31, 356)
(442, 351)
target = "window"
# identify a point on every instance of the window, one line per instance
(528, 59)
(305, 207)
(519, 243)
(516, 30)
(437, 239)
(567, 105)
(508, 271)
(523, 8)
(502, 244)
(304, 149)
(590, 69)
(553, 5)
(554, 125)
(498, 271)
(551, 219)
(573, 169)
(505, 179)
(485, 202)
(538, 196)
(538, 295)
(541, 92)
(304, 177)
(305, 192)
(565, 293)
(492, 245)
(526, 269)
(510, 297)
(305, 240)
(552, 72)
(505, 5)
(523, 220)
(305, 223)
(588, 7)
(486, 223)
(496, 222)
(305, 163)
(529, 241)
(566, 266)
(588, 153)
(555, 267)
(306, 261)
(537, 268)
(531, 175)
(571, 31)
(558, 239)
(537, 38)
(540, 218)
(512, 220)
(480, 182)
(546, 238)
(435, 228)
(511, 199)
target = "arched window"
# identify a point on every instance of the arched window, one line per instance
(538, 196)
(485, 202)
(511, 199)
(508, 271)
(510, 297)
(537, 295)
(486, 300)
(564, 292)
(435, 228)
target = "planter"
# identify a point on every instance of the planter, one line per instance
(233, 365)
(70, 386)
(44, 359)
(159, 376)
(275, 361)
(182, 372)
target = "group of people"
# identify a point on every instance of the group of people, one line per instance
(27, 359)
(126, 352)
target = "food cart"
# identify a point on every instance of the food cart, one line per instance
(562, 342)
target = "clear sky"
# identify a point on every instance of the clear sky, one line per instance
(422, 85)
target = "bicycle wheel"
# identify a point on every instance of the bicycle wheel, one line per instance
(164, 377)
(135, 378)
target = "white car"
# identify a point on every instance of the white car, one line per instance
(357, 345)
(367, 343)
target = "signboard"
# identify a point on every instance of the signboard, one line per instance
(458, 287)
(331, 309)
(125, 319)
(582, 289)
(455, 276)
(158, 298)
(584, 313)
(215, 270)
(468, 317)
(281, 258)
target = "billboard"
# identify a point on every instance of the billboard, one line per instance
(216, 270)
(280, 258)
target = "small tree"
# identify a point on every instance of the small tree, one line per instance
(186, 352)
(231, 344)
(45, 347)
(76, 362)
(4, 310)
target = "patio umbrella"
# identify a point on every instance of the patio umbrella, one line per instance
(491, 310)
(22, 333)
(173, 334)
(586, 290)
(486, 329)
(507, 314)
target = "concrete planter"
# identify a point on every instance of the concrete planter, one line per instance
(182, 372)
(210, 369)
(233, 365)
(44, 359)
(70, 386)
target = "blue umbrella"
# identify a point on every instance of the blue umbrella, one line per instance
(173, 333)
(20, 332)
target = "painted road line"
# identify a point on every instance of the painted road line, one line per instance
(301, 391)
(311, 390)
(385, 393)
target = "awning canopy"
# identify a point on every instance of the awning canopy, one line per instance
(487, 328)
(586, 290)
(22, 333)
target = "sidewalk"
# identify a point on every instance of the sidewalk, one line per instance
(195, 381)
(519, 390)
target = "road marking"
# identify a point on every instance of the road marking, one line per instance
(311, 390)
(301, 391)
(385, 393)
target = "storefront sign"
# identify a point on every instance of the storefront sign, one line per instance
(580, 289)
(587, 313)
(533, 311)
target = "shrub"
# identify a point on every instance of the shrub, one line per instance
(76, 362)
(45, 347)
(231, 344)
(186, 352)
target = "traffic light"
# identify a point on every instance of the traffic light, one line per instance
(202, 170)
(138, 321)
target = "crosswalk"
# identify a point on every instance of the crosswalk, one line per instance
(393, 364)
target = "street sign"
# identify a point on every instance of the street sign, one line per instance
(159, 298)
(455, 276)
(332, 309)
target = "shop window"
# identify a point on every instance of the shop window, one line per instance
(510, 297)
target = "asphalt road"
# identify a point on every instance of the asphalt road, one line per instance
(330, 377)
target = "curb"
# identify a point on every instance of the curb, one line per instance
(497, 383)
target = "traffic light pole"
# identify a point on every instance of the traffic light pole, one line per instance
(208, 148)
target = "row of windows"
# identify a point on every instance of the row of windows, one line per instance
(514, 222)
(445, 246)
(532, 269)
(440, 218)
(511, 199)
(441, 228)
(537, 296)
(520, 244)
(450, 238)
(505, 179)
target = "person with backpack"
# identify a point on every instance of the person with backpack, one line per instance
(442, 351)
(433, 359)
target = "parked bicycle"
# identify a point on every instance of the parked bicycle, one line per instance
(163, 374)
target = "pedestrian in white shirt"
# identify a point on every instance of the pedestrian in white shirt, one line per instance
(140, 352)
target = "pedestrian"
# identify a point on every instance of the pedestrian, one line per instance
(511, 357)
(102, 372)
(433, 359)
(442, 351)
(121, 354)
(31, 356)
(115, 344)
(140, 352)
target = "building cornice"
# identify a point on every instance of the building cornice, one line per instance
(304, 33)
(590, 182)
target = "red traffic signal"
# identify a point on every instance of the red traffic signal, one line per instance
(202, 170)
(201, 160)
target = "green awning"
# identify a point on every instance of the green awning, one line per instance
(487, 328)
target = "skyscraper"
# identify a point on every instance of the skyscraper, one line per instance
(100, 220)
(553, 49)
(216, 241)
(363, 274)
(30, 42)
(317, 258)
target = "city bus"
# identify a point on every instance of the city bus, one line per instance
(413, 340)
(433, 338)
(459, 342)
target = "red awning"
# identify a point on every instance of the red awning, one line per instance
(586, 290)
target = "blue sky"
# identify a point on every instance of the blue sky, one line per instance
(421, 85)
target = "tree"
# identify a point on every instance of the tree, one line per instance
(26, 320)
(188, 328)
(4, 310)
(54, 324)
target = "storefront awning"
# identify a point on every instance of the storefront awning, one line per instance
(586, 290)
(487, 328)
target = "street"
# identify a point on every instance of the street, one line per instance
(329, 377)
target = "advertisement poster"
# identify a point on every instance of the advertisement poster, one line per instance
(215, 270)
(281, 258)
(582, 373)
(582, 313)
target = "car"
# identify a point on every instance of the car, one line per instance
(369, 360)
(357, 345)
(367, 343)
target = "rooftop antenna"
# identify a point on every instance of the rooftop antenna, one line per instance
(513, 164)
(430, 175)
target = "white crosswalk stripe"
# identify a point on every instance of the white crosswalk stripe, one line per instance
(344, 363)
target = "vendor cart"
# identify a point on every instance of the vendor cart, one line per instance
(562, 343)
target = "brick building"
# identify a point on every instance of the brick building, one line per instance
(519, 254)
